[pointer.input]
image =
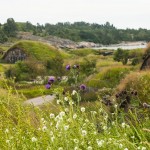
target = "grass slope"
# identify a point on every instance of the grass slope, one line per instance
(37, 50)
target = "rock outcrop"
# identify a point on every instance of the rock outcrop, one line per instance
(56, 41)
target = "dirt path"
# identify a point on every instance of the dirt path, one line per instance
(40, 100)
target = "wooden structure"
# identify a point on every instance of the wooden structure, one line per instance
(146, 63)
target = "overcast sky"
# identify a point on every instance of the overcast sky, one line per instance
(120, 13)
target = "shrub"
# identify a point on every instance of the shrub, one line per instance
(121, 55)
(26, 70)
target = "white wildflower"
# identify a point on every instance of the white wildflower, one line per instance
(132, 137)
(44, 128)
(71, 103)
(66, 99)
(57, 118)
(52, 138)
(84, 132)
(58, 102)
(60, 148)
(74, 116)
(100, 142)
(104, 127)
(143, 148)
(76, 141)
(113, 123)
(57, 125)
(52, 115)
(6, 130)
(76, 148)
(62, 113)
(93, 112)
(82, 109)
(74, 92)
(42, 119)
(94, 132)
(33, 139)
(66, 127)
(115, 105)
(7, 141)
(123, 125)
(69, 119)
(86, 120)
(66, 110)
(120, 145)
(126, 149)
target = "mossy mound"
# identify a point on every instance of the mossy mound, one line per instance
(36, 50)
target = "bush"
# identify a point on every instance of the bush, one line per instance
(136, 61)
(26, 70)
(121, 55)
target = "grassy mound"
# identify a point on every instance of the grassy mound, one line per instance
(109, 77)
(139, 82)
(37, 50)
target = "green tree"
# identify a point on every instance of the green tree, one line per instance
(10, 28)
(3, 37)
(121, 55)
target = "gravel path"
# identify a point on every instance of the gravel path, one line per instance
(40, 100)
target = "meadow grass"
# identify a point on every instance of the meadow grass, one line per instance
(68, 126)
(137, 81)
(108, 77)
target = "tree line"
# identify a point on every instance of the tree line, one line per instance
(78, 31)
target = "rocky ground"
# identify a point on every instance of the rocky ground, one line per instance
(56, 41)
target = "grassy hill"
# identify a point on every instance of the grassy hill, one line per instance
(37, 50)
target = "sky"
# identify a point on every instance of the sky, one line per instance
(121, 13)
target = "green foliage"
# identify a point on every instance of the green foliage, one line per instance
(3, 37)
(10, 28)
(78, 31)
(37, 50)
(121, 55)
(88, 66)
(136, 61)
(87, 126)
(55, 66)
(26, 70)
(34, 91)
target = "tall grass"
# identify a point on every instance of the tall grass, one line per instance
(71, 127)
(109, 77)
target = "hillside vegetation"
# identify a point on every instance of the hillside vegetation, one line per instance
(37, 50)
(78, 31)
(101, 103)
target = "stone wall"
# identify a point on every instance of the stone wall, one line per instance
(14, 55)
